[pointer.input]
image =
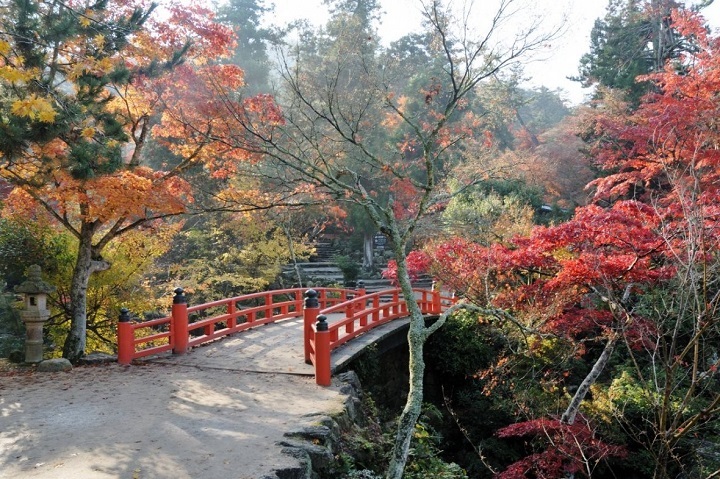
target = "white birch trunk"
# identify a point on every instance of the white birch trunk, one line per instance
(74, 347)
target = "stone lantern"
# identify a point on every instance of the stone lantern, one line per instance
(35, 312)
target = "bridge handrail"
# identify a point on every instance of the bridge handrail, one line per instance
(359, 319)
(176, 331)
(137, 339)
(357, 313)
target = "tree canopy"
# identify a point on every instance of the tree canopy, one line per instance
(633, 39)
(626, 276)
(84, 88)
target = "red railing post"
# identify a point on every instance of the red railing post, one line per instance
(361, 288)
(310, 314)
(179, 323)
(322, 352)
(231, 309)
(437, 304)
(269, 313)
(360, 305)
(376, 308)
(299, 300)
(125, 338)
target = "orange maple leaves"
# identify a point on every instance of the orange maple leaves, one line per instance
(183, 96)
(126, 195)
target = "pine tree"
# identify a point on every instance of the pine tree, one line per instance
(56, 73)
(252, 41)
(634, 38)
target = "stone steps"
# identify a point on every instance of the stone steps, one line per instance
(320, 273)
(324, 252)
(315, 272)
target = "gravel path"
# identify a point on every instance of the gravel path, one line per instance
(212, 414)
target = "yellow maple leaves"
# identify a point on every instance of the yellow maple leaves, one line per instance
(99, 41)
(35, 108)
(14, 75)
(86, 19)
(97, 67)
(9, 70)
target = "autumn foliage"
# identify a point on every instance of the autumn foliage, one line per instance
(418, 263)
(653, 222)
(565, 443)
(84, 100)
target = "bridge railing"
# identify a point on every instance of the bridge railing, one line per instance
(189, 326)
(362, 314)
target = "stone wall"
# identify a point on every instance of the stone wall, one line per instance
(317, 442)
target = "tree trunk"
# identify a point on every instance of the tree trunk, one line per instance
(293, 258)
(413, 406)
(74, 347)
(368, 250)
(573, 408)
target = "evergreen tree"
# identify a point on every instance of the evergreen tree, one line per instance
(352, 24)
(634, 38)
(252, 41)
(56, 70)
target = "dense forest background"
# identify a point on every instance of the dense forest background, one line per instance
(147, 147)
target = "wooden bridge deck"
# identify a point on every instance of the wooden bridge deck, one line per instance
(273, 348)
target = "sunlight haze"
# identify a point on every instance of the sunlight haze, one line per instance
(549, 68)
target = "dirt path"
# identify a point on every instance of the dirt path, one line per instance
(171, 419)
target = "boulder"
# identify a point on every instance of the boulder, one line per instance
(98, 358)
(54, 365)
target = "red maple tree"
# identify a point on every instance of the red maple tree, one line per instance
(654, 221)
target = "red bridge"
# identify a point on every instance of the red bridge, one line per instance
(331, 318)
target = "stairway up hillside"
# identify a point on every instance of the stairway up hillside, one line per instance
(325, 251)
(315, 274)
(321, 270)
